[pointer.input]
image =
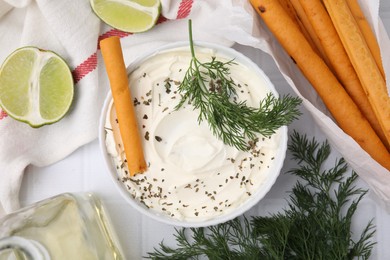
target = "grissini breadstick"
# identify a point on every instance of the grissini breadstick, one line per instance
(117, 75)
(338, 58)
(367, 32)
(289, 8)
(306, 23)
(362, 60)
(337, 100)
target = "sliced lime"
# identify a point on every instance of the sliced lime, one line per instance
(36, 86)
(128, 15)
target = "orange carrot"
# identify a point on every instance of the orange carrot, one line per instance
(338, 58)
(362, 60)
(366, 30)
(116, 71)
(337, 100)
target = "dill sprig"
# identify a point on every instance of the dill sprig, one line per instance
(316, 224)
(210, 89)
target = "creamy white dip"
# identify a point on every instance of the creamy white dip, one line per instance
(191, 174)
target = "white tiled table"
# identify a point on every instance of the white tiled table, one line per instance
(84, 171)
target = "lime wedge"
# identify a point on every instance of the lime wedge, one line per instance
(128, 15)
(36, 86)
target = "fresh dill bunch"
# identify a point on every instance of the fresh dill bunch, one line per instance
(316, 223)
(210, 89)
(234, 239)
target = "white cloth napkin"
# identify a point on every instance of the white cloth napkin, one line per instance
(71, 29)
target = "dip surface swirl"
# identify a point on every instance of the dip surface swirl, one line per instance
(191, 174)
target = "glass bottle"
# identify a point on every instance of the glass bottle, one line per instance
(67, 226)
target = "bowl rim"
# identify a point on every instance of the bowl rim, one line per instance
(265, 187)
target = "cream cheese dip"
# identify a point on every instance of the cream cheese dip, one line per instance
(191, 175)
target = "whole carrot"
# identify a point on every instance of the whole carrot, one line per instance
(128, 127)
(338, 58)
(337, 100)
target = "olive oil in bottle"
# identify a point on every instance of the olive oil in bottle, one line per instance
(67, 226)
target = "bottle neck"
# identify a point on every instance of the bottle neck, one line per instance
(29, 249)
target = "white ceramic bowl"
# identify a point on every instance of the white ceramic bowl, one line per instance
(246, 205)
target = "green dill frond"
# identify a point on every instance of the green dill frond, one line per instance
(231, 240)
(209, 88)
(326, 199)
(316, 224)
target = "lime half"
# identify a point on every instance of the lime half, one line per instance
(128, 15)
(36, 86)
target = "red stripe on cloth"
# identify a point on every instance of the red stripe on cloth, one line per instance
(85, 68)
(3, 114)
(161, 19)
(184, 9)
